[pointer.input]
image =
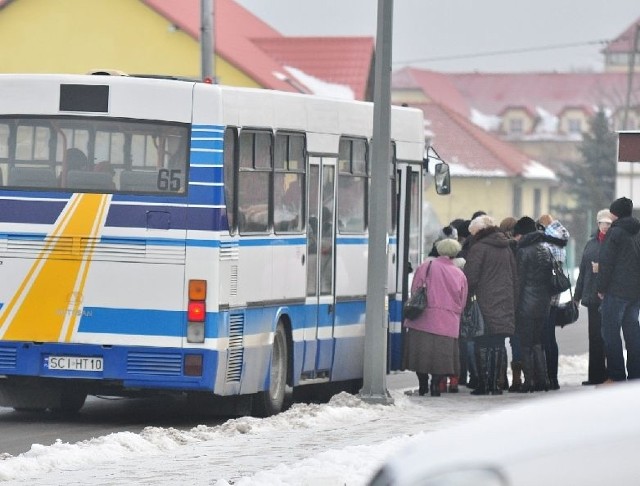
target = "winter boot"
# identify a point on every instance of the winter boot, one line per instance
(435, 385)
(453, 384)
(516, 378)
(482, 364)
(503, 369)
(527, 370)
(423, 383)
(540, 364)
(443, 384)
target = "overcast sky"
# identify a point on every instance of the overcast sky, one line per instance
(425, 30)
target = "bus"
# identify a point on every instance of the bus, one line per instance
(164, 235)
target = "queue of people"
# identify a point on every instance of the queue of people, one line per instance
(507, 269)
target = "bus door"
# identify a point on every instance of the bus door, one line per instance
(320, 308)
(408, 252)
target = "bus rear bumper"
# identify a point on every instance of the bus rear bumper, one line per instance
(127, 367)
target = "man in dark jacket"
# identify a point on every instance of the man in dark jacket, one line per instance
(533, 260)
(618, 285)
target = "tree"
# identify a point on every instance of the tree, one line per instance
(596, 176)
(592, 181)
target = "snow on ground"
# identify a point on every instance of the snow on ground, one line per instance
(339, 443)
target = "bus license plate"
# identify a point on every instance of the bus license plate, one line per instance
(75, 363)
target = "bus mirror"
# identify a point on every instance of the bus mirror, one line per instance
(442, 178)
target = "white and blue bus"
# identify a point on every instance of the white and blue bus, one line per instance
(162, 235)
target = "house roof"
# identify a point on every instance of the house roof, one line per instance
(234, 26)
(473, 152)
(436, 86)
(261, 52)
(624, 42)
(493, 93)
(344, 61)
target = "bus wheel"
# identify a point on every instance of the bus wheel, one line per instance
(271, 401)
(71, 402)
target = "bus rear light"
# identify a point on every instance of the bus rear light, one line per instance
(197, 289)
(196, 311)
(193, 365)
(195, 332)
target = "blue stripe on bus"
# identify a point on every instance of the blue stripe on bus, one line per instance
(211, 195)
(144, 322)
(172, 323)
(272, 241)
(34, 212)
(352, 240)
(207, 143)
(195, 129)
(206, 157)
(206, 174)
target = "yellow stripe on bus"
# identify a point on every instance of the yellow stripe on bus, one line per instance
(49, 300)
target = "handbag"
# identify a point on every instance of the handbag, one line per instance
(568, 312)
(559, 280)
(417, 303)
(472, 322)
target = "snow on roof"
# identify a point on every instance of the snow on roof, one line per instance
(473, 152)
(320, 87)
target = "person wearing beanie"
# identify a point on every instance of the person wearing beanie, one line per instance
(556, 238)
(491, 274)
(523, 226)
(534, 263)
(586, 293)
(618, 284)
(445, 233)
(432, 337)
(622, 207)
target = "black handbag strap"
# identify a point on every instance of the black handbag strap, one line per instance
(424, 284)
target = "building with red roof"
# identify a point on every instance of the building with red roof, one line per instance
(163, 37)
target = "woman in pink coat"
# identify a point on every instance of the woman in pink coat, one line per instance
(432, 338)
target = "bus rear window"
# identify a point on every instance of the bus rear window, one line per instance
(74, 154)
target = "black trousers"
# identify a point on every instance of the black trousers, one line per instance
(597, 360)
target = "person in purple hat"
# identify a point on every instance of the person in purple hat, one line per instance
(618, 285)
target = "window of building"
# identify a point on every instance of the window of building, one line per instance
(537, 201)
(353, 185)
(574, 125)
(516, 126)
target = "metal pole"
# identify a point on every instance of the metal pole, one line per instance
(207, 52)
(375, 342)
(632, 68)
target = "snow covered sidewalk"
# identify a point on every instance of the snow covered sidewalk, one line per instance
(339, 443)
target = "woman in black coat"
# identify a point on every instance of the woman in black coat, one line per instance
(491, 275)
(534, 299)
(586, 291)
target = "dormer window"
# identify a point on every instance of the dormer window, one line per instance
(516, 126)
(574, 125)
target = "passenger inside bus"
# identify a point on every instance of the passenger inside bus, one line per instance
(106, 168)
(74, 160)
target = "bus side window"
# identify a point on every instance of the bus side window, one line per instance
(254, 182)
(289, 182)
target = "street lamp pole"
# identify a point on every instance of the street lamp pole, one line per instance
(377, 315)
(207, 49)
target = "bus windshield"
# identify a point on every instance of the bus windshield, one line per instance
(74, 154)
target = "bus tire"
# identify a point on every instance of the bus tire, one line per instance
(71, 402)
(271, 401)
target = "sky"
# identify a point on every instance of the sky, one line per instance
(340, 443)
(426, 30)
